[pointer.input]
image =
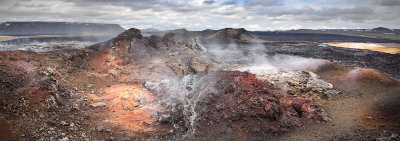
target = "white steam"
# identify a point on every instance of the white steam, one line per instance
(253, 58)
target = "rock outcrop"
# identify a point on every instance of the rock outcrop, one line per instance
(231, 35)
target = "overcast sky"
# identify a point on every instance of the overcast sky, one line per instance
(210, 14)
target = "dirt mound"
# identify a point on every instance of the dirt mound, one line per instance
(366, 77)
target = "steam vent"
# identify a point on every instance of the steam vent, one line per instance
(191, 85)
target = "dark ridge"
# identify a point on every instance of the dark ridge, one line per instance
(382, 29)
(178, 31)
(316, 37)
(56, 28)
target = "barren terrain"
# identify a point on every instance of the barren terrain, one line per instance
(218, 85)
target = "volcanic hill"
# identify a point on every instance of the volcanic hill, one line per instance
(156, 86)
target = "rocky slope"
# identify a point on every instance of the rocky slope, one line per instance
(188, 79)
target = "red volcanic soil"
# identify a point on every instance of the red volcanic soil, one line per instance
(129, 106)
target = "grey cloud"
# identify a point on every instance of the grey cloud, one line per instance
(358, 14)
(335, 12)
(155, 5)
(232, 2)
(225, 13)
(276, 12)
(208, 2)
(195, 15)
(389, 2)
(266, 3)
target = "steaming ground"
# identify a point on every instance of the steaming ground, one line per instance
(46, 46)
(194, 86)
(41, 43)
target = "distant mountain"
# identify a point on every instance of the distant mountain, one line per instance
(397, 31)
(150, 30)
(52, 28)
(382, 29)
(179, 31)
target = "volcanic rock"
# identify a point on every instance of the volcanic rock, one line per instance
(198, 66)
(308, 109)
(236, 102)
(196, 44)
(170, 54)
(231, 35)
(297, 83)
(98, 104)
